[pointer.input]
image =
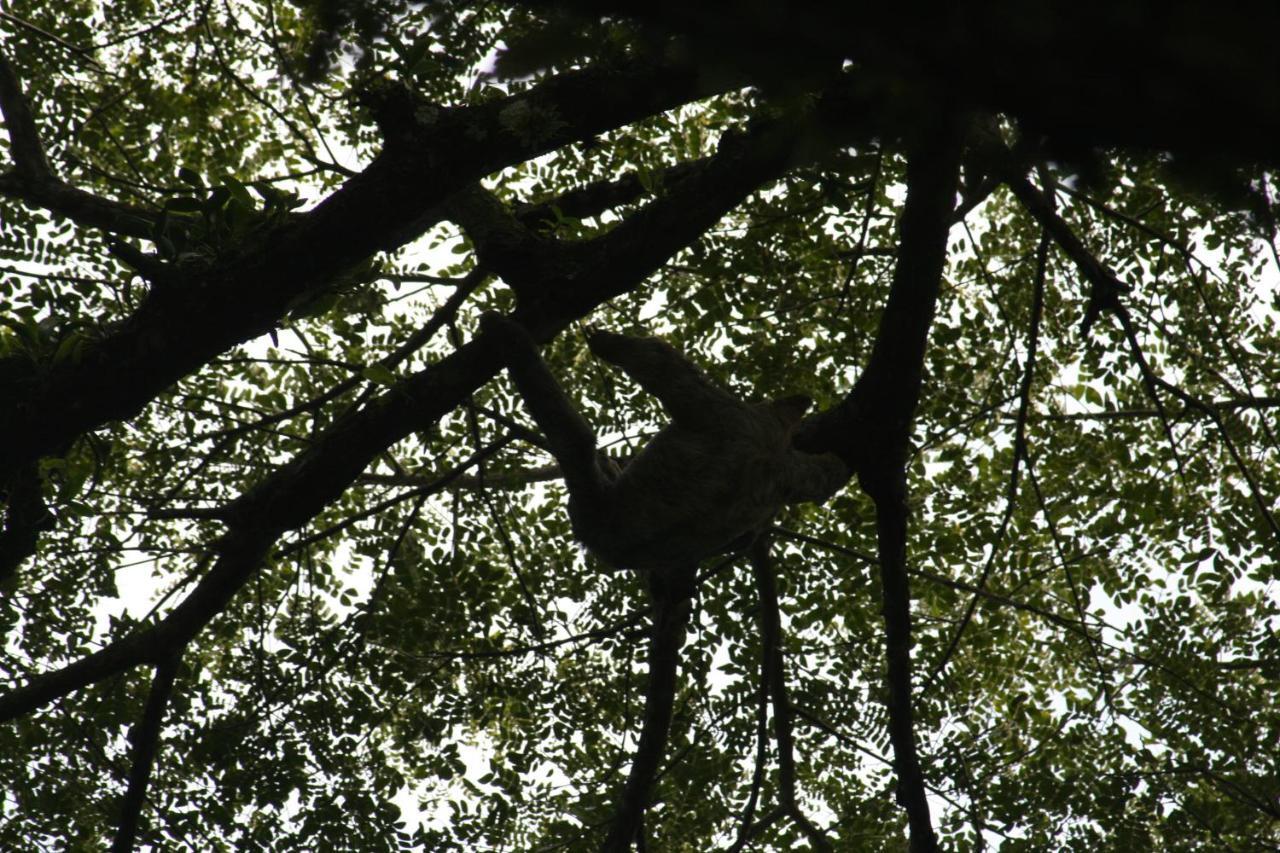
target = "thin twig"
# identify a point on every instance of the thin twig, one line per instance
(1019, 453)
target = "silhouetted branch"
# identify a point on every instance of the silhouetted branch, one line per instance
(1057, 620)
(1105, 288)
(1211, 696)
(588, 274)
(843, 738)
(773, 673)
(1073, 588)
(1223, 404)
(822, 543)
(622, 626)
(33, 181)
(1089, 75)
(145, 739)
(747, 818)
(670, 616)
(429, 487)
(429, 154)
(884, 400)
(29, 160)
(1019, 452)
(1192, 402)
(871, 430)
(1196, 269)
(513, 479)
(1105, 292)
(53, 38)
(594, 199)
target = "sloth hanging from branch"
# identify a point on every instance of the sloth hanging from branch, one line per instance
(710, 479)
(706, 483)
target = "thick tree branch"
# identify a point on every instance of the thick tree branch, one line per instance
(871, 430)
(502, 243)
(145, 740)
(1088, 74)
(290, 496)
(671, 610)
(553, 278)
(509, 243)
(430, 154)
(28, 154)
(891, 534)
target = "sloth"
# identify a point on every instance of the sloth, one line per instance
(705, 484)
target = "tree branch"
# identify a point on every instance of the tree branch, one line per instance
(1105, 292)
(1221, 404)
(1073, 626)
(1195, 403)
(594, 199)
(747, 819)
(1105, 289)
(145, 739)
(28, 154)
(294, 493)
(33, 181)
(430, 154)
(1019, 452)
(773, 673)
(871, 430)
(513, 479)
(1088, 74)
(671, 610)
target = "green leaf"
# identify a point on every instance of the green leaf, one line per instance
(379, 373)
(70, 349)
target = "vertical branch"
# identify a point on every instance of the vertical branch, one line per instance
(774, 676)
(671, 608)
(757, 776)
(1019, 451)
(871, 429)
(1077, 600)
(891, 535)
(883, 405)
(145, 739)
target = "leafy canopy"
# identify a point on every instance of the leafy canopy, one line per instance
(284, 566)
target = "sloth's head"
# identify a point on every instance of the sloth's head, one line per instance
(790, 410)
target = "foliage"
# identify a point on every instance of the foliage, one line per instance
(319, 501)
